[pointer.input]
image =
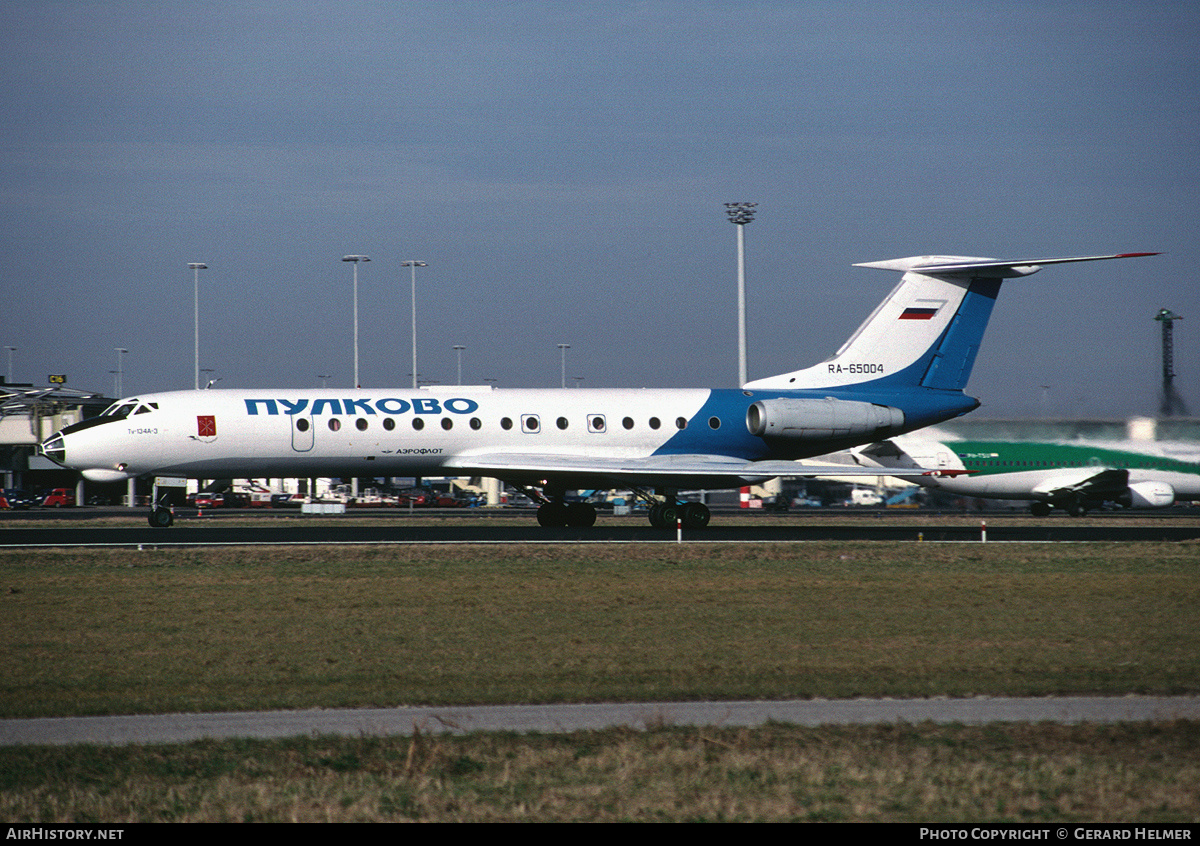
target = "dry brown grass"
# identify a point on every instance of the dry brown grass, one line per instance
(895, 773)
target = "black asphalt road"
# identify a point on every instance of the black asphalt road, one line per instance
(193, 532)
(376, 722)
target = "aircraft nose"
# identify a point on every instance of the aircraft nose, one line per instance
(55, 448)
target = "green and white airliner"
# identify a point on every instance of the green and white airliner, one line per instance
(1075, 477)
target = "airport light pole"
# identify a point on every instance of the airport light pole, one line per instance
(356, 259)
(563, 351)
(11, 350)
(740, 214)
(120, 372)
(458, 348)
(196, 267)
(414, 265)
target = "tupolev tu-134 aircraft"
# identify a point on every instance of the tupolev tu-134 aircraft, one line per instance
(903, 369)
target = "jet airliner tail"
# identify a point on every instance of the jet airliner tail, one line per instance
(927, 332)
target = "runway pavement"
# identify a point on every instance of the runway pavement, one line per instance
(375, 722)
(243, 529)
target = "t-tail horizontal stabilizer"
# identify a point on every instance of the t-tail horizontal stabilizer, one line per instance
(955, 265)
(927, 332)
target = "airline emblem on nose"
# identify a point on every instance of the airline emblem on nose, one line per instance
(206, 426)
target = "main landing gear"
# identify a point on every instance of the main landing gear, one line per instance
(556, 512)
(1075, 507)
(669, 514)
(666, 513)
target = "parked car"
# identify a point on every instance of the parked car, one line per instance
(59, 498)
(18, 499)
(427, 498)
(228, 499)
(287, 500)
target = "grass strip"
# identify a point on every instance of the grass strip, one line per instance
(121, 631)
(895, 773)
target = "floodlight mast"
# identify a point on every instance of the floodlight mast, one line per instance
(119, 388)
(356, 259)
(196, 267)
(458, 348)
(1172, 404)
(740, 214)
(414, 265)
(562, 349)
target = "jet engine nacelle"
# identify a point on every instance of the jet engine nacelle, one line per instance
(821, 419)
(1148, 495)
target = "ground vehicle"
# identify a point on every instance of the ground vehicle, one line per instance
(228, 499)
(859, 496)
(18, 499)
(59, 498)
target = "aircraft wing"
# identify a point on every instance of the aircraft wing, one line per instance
(1092, 482)
(659, 470)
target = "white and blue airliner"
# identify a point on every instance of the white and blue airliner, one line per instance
(903, 369)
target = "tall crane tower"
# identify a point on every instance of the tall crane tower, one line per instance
(1172, 403)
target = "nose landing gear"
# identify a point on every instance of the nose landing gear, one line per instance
(161, 518)
(161, 514)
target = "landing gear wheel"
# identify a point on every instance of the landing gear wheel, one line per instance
(1039, 509)
(664, 515)
(581, 514)
(1077, 511)
(161, 518)
(696, 515)
(552, 514)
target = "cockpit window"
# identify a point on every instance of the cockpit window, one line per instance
(120, 410)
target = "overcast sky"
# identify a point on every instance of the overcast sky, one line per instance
(561, 167)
